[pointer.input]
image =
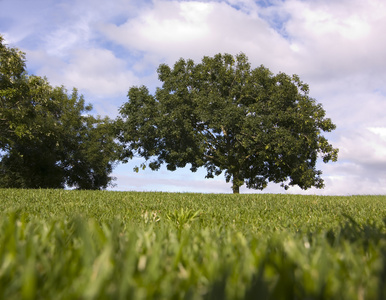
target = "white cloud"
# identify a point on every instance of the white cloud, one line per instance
(337, 38)
(96, 71)
(380, 131)
(62, 40)
(365, 147)
(170, 30)
(352, 102)
(99, 72)
(362, 166)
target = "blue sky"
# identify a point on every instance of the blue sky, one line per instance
(105, 47)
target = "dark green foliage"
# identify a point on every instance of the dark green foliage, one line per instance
(46, 138)
(225, 116)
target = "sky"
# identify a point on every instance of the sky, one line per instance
(105, 47)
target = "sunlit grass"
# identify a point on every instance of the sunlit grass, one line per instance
(57, 244)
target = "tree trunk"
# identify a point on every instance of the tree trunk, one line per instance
(236, 182)
(236, 189)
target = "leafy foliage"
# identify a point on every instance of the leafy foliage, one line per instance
(227, 117)
(47, 140)
(109, 245)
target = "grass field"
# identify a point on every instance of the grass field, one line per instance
(57, 244)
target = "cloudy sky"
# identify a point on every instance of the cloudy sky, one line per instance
(105, 47)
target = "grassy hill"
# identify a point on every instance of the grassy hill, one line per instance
(57, 244)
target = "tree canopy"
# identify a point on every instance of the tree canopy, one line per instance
(47, 137)
(225, 116)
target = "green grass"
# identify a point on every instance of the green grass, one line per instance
(57, 244)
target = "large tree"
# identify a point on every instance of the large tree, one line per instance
(223, 115)
(47, 137)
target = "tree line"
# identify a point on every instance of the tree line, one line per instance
(220, 114)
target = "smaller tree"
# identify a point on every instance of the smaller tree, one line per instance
(93, 152)
(48, 139)
(225, 116)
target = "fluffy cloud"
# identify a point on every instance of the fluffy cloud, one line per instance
(366, 148)
(99, 75)
(362, 166)
(171, 29)
(100, 72)
(337, 38)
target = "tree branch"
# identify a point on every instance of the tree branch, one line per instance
(224, 131)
